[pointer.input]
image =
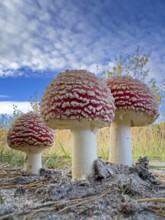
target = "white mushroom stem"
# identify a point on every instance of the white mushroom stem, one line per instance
(33, 162)
(84, 153)
(120, 140)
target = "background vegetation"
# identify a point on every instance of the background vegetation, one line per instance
(147, 141)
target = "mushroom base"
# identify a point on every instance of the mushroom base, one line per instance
(120, 140)
(84, 153)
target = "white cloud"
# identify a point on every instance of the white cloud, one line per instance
(7, 107)
(55, 35)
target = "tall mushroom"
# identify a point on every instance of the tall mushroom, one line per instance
(29, 134)
(79, 101)
(135, 106)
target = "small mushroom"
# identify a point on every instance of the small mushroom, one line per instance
(135, 106)
(29, 134)
(78, 100)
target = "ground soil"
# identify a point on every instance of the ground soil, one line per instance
(116, 192)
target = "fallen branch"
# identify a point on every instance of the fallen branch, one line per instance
(155, 209)
(63, 206)
(161, 200)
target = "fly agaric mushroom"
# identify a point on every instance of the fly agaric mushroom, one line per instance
(29, 134)
(135, 106)
(78, 100)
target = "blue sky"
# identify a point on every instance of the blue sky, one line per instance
(41, 38)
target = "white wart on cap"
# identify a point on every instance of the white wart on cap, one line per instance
(80, 101)
(136, 105)
(29, 134)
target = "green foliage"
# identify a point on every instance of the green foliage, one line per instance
(59, 158)
(64, 152)
(103, 154)
(125, 189)
(34, 102)
(11, 157)
(136, 64)
(131, 65)
(5, 120)
(56, 161)
(16, 112)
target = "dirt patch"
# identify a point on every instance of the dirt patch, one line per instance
(115, 192)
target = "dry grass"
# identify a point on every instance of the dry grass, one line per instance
(147, 141)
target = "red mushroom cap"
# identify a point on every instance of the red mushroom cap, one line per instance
(133, 96)
(29, 131)
(77, 98)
